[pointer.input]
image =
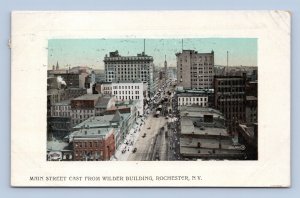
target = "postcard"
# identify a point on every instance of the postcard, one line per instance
(150, 99)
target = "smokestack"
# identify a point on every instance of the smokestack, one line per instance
(144, 46)
(227, 64)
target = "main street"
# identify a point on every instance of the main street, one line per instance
(147, 138)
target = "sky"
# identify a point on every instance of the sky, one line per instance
(91, 52)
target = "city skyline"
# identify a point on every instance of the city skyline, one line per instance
(91, 52)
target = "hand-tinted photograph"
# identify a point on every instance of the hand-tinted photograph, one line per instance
(152, 99)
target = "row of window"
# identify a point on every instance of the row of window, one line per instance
(61, 107)
(86, 144)
(192, 99)
(126, 92)
(128, 97)
(126, 87)
(193, 103)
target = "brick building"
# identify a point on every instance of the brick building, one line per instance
(93, 144)
(83, 107)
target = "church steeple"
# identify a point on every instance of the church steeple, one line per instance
(57, 66)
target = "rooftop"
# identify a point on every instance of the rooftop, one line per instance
(196, 111)
(64, 102)
(88, 97)
(127, 81)
(191, 94)
(100, 121)
(103, 101)
(91, 133)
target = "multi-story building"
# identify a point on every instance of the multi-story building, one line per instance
(230, 99)
(104, 88)
(129, 91)
(93, 144)
(203, 135)
(129, 68)
(120, 122)
(195, 70)
(70, 93)
(191, 99)
(83, 107)
(251, 101)
(209, 93)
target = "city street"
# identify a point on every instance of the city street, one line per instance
(145, 143)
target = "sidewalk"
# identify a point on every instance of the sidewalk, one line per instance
(130, 139)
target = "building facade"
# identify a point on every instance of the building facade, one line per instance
(129, 68)
(203, 135)
(230, 99)
(190, 99)
(131, 91)
(195, 70)
(91, 144)
(83, 107)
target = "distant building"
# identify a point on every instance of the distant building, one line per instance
(195, 70)
(70, 93)
(104, 88)
(71, 80)
(129, 68)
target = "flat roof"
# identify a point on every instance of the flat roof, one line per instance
(64, 102)
(196, 111)
(99, 121)
(191, 95)
(91, 133)
(88, 97)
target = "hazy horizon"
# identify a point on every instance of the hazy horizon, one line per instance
(91, 52)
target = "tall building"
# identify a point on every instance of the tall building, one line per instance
(129, 68)
(230, 99)
(166, 72)
(195, 70)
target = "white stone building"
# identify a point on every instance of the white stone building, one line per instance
(130, 91)
(189, 99)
